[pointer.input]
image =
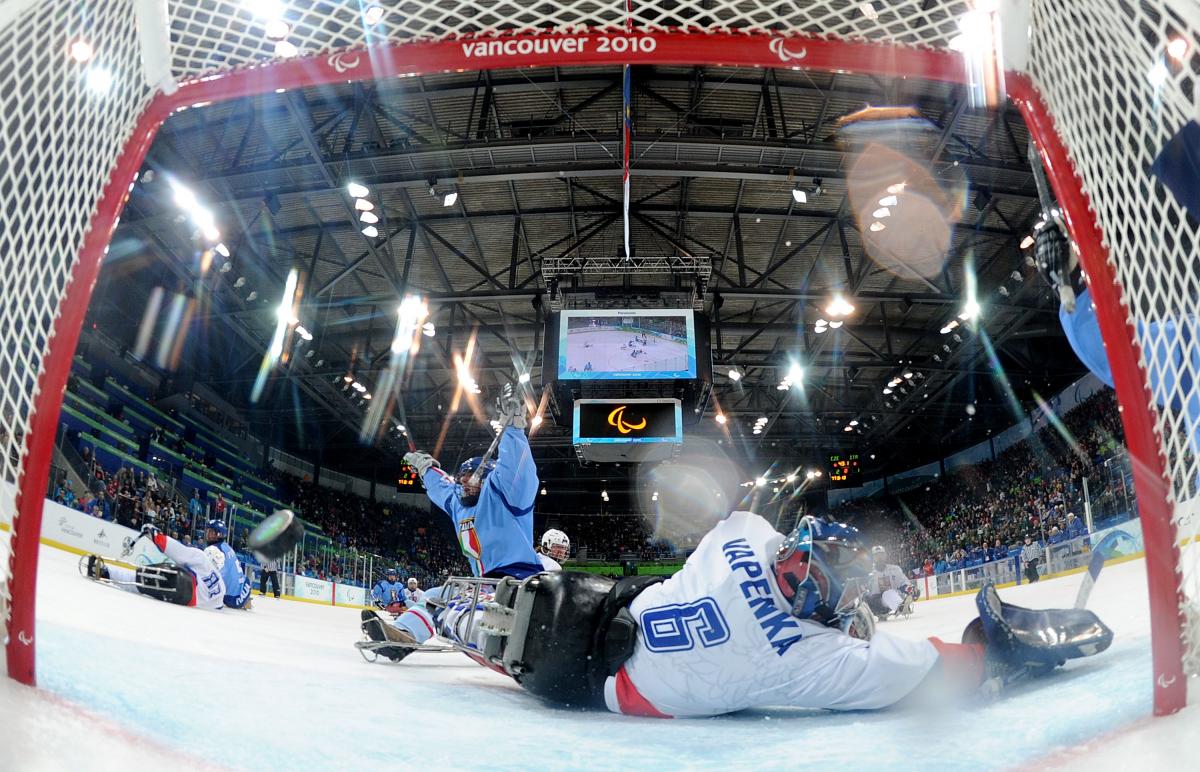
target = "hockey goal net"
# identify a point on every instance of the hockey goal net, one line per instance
(1103, 84)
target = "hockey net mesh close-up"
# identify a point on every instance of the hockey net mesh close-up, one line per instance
(1095, 62)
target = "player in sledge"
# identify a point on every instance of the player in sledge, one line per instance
(237, 584)
(770, 621)
(889, 591)
(388, 593)
(189, 576)
(491, 506)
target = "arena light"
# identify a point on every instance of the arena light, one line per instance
(366, 395)
(81, 51)
(886, 390)
(349, 379)
(369, 218)
(881, 213)
(799, 196)
(734, 375)
(720, 418)
(835, 324)
(971, 310)
(277, 29)
(760, 482)
(373, 15)
(523, 378)
(654, 496)
(950, 325)
(908, 375)
(877, 226)
(1158, 74)
(428, 329)
(543, 491)
(370, 231)
(868, 10)
(537, 421)
(839, 306)
(356, 190)
(757, 430)
(450, 199)
(889, 200)
(1027, 242)
(363, 205)
(1177, 49)
(99, 79)
(222, 250)
(285, 49)
(790, 478)
(896, 188)
(854, 422)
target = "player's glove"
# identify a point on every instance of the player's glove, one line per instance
(861, 624)
(149, 532)
(422, 462)
(512, 406)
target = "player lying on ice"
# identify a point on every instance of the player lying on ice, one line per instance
(491, 507)
(754, 619)
(191, 578)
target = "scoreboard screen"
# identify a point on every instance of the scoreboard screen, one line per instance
(627, 421)
(408, 479)
(844, 470)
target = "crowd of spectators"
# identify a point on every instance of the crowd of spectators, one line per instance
(983, 512)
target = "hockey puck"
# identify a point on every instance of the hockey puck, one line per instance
(276, 534)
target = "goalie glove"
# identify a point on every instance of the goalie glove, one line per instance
(422, 462)
(1057, 263)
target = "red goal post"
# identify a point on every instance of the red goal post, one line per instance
(72, 142)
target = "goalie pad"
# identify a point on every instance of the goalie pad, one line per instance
(1032, 640)
(567, 632)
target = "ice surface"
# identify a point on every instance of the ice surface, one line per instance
(281, 687)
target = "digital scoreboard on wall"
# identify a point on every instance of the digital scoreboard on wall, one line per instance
(616, 421)
(844, 470)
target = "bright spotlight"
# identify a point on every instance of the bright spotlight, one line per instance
(537, 421)
(720, 418)
(373, 15)
(285, 49)
(877, 226)
(523, 378)
(222, 250)
(734, 375)
(363, 205)
(795, 373)
(970, 310)
(370, 218)
(791, 478)
(839, 306)
(761, 481)
(356, 190)
(888, 200)
(1027, 242)
(450, 198)
(835, 324)
(543, 491)
(799, 196)
(277, 29)
(81, 51)
(1177, 49)
(99, 79)
(881, 213)
(370, 231)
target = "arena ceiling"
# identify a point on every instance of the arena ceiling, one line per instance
(535, 157)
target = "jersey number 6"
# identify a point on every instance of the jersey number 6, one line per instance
(679, 627)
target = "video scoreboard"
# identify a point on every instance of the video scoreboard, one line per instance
(844, 470)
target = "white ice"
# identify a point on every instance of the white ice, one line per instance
(129, 681)
(606, 355)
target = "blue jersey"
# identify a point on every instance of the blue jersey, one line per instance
(237, 585)
(387, 592)
(496, 534)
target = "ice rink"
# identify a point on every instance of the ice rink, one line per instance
(603, 349)
(129, 681)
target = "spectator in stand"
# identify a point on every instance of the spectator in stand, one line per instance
(219, 507)
(195, 508)
(1075, 527)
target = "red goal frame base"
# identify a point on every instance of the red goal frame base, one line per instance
(653, 48)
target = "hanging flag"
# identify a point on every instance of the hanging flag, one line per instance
(627, 132)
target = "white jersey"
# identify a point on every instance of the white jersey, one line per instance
(717, 637)
(412, 597)
(209, 587)
(549, 563)
(890, 578)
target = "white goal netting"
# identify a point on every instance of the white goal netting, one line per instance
(1118, 78)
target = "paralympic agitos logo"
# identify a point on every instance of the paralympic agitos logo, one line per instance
(617, 419)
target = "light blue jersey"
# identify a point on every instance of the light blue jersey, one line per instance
(237, 584)
(496, 534)
(387, 592)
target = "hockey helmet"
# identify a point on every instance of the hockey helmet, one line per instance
(217, 527)
(215, 556)
(821, 569)
(412, 582)
(469, 466)
(391, 572)
(556, 544)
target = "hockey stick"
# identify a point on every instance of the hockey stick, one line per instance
(505, 421)
(1107, 548)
